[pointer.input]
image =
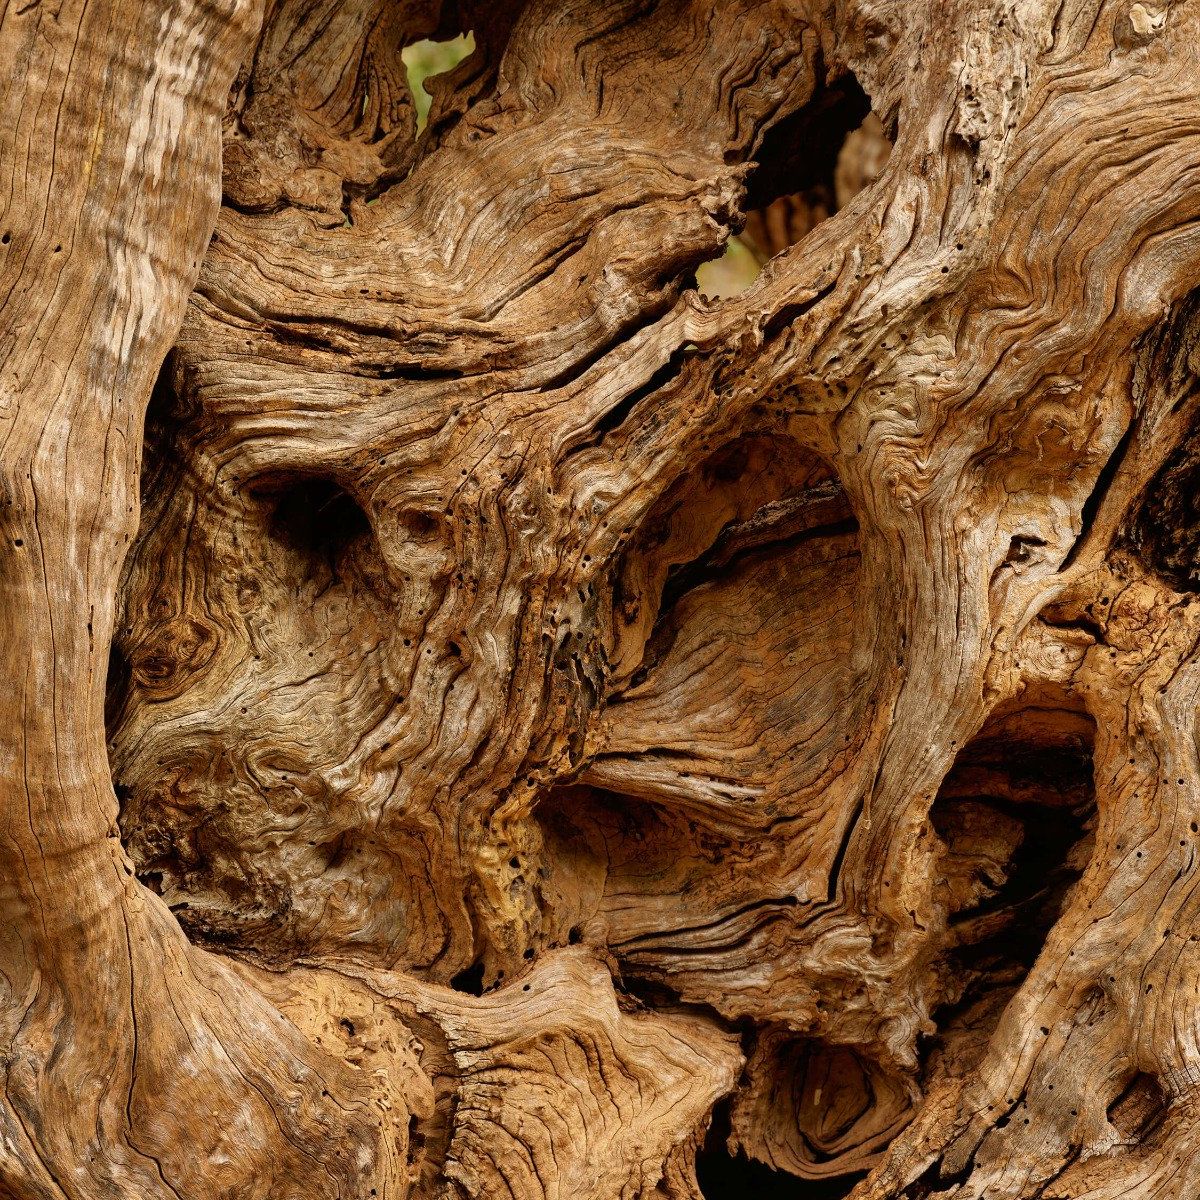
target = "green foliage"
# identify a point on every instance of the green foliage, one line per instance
(733, 272)
(423, 59)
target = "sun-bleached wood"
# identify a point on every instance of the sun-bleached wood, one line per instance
(485, 718)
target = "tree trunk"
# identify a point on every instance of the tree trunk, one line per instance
(540, 729)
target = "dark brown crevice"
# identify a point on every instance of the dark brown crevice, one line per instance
(725, 1176)
(1016, 815)
(933, 1182)
(1140, 1108)
(316, 518)
(1163, 532)
(789, 314)
(1161, 527)
(470, 979)
(1110, 472)
(165, 415)
(801, 152)
(807, 166)
(116, 686)
(616, 416)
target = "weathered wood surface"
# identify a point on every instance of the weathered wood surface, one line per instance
(553, 711)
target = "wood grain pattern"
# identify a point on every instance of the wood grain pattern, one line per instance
(564, 735)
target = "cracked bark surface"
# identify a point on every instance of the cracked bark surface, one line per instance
(487, 719)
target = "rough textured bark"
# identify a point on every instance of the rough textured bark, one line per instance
(569, 735)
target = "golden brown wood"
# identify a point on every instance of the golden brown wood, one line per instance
(573, 737)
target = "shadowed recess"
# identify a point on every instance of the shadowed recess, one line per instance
(1016, 815)
(725, 1176)
(809, 166)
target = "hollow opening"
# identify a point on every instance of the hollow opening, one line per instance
(733, 270)
(738, 595)
(313, 517)
(470, 979)
(809, 166)
(752, 501)
(815, 1109)
(1139, 1110)
(631, 861)
(1016, 816)
(1163, 533)
(425, 59)
(733, 1176)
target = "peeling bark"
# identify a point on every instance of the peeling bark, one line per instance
(565, 735)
